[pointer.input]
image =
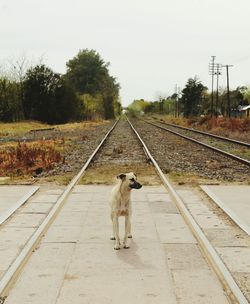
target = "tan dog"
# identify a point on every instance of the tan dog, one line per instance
(121, 206)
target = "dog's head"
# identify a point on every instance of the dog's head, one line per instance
(130, 179)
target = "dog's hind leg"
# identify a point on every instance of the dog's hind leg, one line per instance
(116, 232)
(127, 230)
(112, 238)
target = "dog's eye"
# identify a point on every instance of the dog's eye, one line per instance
(132, 179)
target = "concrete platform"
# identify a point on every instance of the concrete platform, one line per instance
(12, 197)
(76, 262)
(234, 200)
(20, 226)
(229, 240)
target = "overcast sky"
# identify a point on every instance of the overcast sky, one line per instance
(151, 45)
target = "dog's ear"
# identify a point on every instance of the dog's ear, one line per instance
(121, 176)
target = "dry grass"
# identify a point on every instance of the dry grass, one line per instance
(86, 125)
(62, 179)
(19, 128)
(29, 158)
(106, 174)
(190, 179)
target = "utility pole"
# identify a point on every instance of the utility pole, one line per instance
(161, 105)
(178, 93)
(211, 71)
(176, 102)
(217, 73)
(228, 93)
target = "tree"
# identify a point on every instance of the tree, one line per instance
(9, 100)
(247, 96)
(139, 106)
(47, 96)
(88, 74)
(93, 106)
(110, 95)
(192, 96)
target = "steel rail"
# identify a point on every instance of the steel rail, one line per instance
(12, 273)
(232, 289)
(237, 158)
(242, 143)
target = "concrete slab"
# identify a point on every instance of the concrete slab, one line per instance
(191, 271)
(228, 237)
(12, 241)
(44, 274)
(230, 256)
(37, 208)
(234, 200)
(157, 189)
(81, 197)
(14, 235)
(167, 207)
(12, 197)
(54, 191)
(205, 217)
(63, 234)
(158, 197)
(76, 262)
(77, 207)
(26, 220)
(89, 188)
(70, 218)
(45, 198)
(171, 228)
(190, 288)
(185, 257)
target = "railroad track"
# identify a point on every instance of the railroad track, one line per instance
(215, 145)
(225, 277)
(230, 140)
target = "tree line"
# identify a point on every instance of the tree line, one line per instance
(195, 100)
(85, 91)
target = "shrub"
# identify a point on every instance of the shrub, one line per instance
(27, 158)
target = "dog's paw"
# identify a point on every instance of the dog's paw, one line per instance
(126, 246)
(130, 236)
(117, 247)
(112, 238)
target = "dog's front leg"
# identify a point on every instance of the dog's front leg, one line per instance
(116, 232)
(127, 231)
(129, 228)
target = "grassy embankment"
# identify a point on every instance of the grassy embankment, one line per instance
(24, 153)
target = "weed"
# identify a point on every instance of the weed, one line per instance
(28, 158)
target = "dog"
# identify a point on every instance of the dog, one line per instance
(121, 206)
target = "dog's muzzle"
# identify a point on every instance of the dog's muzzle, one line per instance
(135, 185)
